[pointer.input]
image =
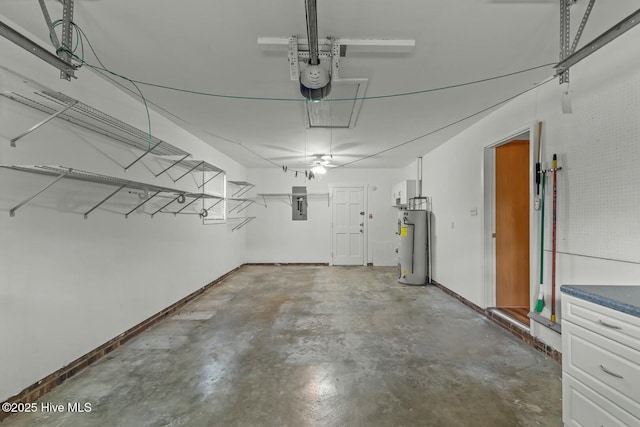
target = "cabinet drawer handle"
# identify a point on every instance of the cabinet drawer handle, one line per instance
(613, 374)
(609, 325)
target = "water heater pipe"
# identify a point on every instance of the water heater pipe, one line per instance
(419, 178)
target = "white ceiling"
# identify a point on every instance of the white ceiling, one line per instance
(211, 46)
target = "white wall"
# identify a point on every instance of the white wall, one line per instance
(68, 285)
(599, 202)
(274, 237)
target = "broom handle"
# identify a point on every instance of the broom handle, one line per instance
(553, 239)
(542, 231)
(539, 170)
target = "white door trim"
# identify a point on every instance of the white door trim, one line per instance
(488, 201)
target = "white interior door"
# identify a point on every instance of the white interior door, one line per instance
(348, 226)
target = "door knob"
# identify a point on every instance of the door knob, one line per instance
(362, 224)
(361, 230)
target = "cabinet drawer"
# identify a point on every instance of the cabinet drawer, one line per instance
(582, 407)
(609, 368)
(618, 326)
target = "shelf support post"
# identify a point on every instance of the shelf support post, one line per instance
(67, 41)
(565, 37)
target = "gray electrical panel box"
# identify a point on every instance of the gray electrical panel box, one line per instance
(299, 203)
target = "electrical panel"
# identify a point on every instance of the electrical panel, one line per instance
(299, 203)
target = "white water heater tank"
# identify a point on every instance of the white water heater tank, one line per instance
(413, 251)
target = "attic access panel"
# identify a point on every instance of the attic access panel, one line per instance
(342, 108)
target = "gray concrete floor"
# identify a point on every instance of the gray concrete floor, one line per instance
(316, 346)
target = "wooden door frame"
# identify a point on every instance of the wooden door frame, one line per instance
(365, 207)
(488, 209)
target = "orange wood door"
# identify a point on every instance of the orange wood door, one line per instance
(512, 224)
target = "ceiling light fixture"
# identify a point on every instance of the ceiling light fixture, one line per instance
(318, 169)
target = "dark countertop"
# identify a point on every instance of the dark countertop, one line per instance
(622, 298)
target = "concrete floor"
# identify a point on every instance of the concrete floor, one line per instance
(316, 346)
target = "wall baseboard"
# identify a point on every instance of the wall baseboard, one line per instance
(37, 390)
(511, 327)
(278, 264)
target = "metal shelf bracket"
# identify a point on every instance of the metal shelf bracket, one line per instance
(215, 204)
(174, 164)
(142, 203)
(243, 223)
(167, 204)
(13, 210)
(189, 204)
(144, 154)
(243, 203)
(86, 214)
(248, 202)
(210, 179)
(37, 125)
(189, 171)
(243, 187)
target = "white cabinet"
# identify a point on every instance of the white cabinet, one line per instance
(600, 365)
(402, 192)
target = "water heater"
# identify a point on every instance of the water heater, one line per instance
(413, 251)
